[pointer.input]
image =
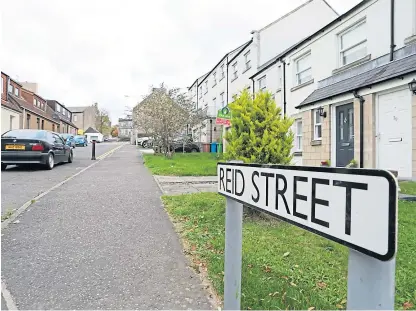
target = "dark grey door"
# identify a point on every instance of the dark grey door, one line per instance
(344, 134)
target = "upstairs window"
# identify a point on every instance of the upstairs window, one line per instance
(16, 91)
(200, 92)
(10, 87)
(353, 43)
(317, 125)
(262, 83)
(206, 86)
(222, 72)
(235, 71)
(247, 60)
(222, 99)
(214, 77)
(303, 69)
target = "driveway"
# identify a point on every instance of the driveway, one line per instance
(19, 185)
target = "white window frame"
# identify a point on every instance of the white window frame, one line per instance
(200, 92)
(262, 82)
(298, 72)
(222, 99)
(235, 71)
(316, 125)
(298, 136)
(75, 118)
(343, 50)
(16, 91)
(246, 60)
(206, 86)
(10, 88)
(214, 76)
(222, 72)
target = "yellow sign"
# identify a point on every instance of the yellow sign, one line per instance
(80, 132)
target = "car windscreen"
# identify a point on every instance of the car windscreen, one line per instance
(79, 137)
(25, 134)
(65, 135)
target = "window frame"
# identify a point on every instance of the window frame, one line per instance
(342, 50)
(235, 71)
(214, 76)
(298, 72)
(222, 72)
(263, 78)
(200, 92)
(75, 117)
(246, 60)
(222, 99)
(206, 86)
(298, 147)
(316, 124)
(16, 91)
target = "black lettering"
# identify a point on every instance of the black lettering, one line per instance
(242, 176)
(232, 180)
(267, 175)
(315, 201)
(222, 179)
(281, 192)
(255, 173)
(297, 196)
(227, 180)
(348, 185)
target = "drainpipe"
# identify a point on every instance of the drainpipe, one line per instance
(392, 45)
(362, 100)
(284, 86)
(210, 131)
(227, 80)
(197, 96)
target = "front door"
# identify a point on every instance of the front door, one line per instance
(344, 134)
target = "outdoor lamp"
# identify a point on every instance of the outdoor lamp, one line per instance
(412, 86)
(321, 112)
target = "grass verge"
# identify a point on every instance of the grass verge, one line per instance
(284, 267)
(183, 164)
(408, 187)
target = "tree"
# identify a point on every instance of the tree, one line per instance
(259, 133)
(102, 120)
(165, 113)
(114, 131)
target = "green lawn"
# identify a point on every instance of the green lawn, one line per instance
(284, 267)
(407, 187)
(183, 164)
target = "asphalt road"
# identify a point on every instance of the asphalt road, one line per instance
(19, 185)
(100, 241)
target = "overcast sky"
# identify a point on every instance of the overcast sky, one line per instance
(86, 51)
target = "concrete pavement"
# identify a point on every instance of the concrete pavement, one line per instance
(186, 184)
(18, 185)
(101, 241)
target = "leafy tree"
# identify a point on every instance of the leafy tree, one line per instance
(259, 133)
(114, 131)
(102, 120)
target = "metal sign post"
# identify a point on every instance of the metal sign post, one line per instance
(354, 207)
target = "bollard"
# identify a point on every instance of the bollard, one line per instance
(93, 150)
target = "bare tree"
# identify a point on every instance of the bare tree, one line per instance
(165, 113)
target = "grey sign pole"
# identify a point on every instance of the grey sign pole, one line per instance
(371, 282)
(233, 253)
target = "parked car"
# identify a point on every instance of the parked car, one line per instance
(188, 146)
(81, 141)
(69, 139)
(143, 141)
(34, 147)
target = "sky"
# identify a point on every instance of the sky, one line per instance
(85, 51)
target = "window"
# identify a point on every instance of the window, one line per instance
(279, 77)
(11, 122)
(222, 72)
(200, 92)
(16, 91)
(303, 69)
(235, 75)
(262, 83)
(35, 102)
(43, 125)
(298, 141)
(53, 127)
(222, 99)
(214, 77)
(58, 128)
(58, 139)
(247, 60)
(353, 44)
(317, 125)
(38, 123)
(28, 121)
(10, 87)
(206, 86)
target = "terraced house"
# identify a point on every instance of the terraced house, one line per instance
(11, 114)
(64, 115)
(351, 88)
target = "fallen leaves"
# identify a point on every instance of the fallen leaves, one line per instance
(311, 308)
(267, 269)
(407, 305)
(321, 284)
(286, 254)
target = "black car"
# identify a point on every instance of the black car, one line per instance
(34, 147)
(189, 146)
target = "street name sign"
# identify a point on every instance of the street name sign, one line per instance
(354, 207)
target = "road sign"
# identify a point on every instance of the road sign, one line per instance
(354, 207)
(224, 116)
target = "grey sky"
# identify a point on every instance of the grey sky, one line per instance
(82, 51)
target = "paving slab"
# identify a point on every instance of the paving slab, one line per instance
(186, 179)
(101, 241)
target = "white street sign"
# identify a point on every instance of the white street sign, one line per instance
(354, 207)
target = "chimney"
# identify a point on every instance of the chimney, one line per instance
(256, 43)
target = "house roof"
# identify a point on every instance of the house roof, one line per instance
(243, 47)
(77, 109)
(391, 70)
(11, 105)
(52, 106)
(25, 105)
(275, 59)
(91, 130)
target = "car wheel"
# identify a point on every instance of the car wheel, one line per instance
(144, 144)
(50, 163)
(3, 167)
(194, 150)
(70, 157)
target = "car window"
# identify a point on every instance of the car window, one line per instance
(58, 140)
(28, 134)
(50, 138)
